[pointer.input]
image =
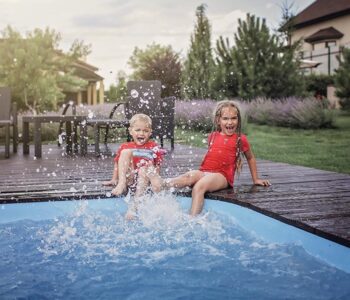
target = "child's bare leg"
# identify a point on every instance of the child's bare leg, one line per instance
(185, 180)
(208, 183)
(142, 181)
(154, 178)
(124, 169)
(156, 182)
(141, 185)
(132, 210)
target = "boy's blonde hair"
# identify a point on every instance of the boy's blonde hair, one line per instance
(141, 117)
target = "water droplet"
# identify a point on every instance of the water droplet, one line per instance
(134, 93)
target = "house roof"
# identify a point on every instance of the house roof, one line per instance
(324, 34)
(321, 10)
(86, 71)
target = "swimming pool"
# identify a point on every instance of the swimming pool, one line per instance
(86, 249)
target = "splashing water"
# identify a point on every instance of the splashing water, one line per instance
(161, 224)
(134, 93)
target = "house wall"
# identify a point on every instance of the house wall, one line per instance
(342, 24)
(326, 56)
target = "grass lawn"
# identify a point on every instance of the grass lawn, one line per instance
(326, 149)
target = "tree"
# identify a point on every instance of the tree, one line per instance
(286, 27)
(264, 66)
(226, 79)
(36, 70)
(118, 93)
(158, 62)
(197, 77)
(342, 79)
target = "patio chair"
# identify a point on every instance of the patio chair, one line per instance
(8, 118)
(145, 97)
(66, 106)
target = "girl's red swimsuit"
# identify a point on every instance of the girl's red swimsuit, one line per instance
(221, 154)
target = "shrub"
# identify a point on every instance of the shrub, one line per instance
(316, 84)
(195, 114)
(292, 112)
(342, 79)
(198, 114)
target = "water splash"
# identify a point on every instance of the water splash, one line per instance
(162, 229)
(134, 93)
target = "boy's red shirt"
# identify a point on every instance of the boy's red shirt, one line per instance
(150, 145)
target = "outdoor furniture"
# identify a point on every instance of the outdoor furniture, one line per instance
(71, 124)
(143, 97)
(97, 125)
(66, 106)
(8, 118)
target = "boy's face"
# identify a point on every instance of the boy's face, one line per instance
(140, 132)
(228, 120)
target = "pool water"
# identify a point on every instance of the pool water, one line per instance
(87, 250)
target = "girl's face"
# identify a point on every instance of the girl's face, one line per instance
(140, 132)
(228, 120)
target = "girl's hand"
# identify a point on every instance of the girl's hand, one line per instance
(263, 182)
(109, 183)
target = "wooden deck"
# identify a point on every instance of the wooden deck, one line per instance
(314, 200)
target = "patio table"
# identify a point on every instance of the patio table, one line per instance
(97, 124)
(38, 120)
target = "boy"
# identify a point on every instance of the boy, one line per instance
(137, 163)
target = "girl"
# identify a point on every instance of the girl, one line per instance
(223, 159)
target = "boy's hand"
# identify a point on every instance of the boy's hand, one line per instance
(263, 182)
(109, 183)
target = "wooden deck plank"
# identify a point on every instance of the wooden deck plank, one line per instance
(314, 200)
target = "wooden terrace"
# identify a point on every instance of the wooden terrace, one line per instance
(314, 200)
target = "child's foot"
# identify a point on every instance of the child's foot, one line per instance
(119, 190)
(131, 214)
(109, 183)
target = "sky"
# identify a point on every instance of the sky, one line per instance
(114, 28)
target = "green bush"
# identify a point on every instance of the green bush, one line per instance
(316, 84)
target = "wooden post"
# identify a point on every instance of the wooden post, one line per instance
(101, 93)
(79, 98)
(89, 102)
(94, 94)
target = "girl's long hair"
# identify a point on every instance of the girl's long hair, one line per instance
(216, 127)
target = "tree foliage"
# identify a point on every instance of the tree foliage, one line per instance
(342, 79)
(157, 62)
(286, 27)
(36, 70)
(316, 84)
(264, 66)
(198, 71)
(226, 78)
(118, 92)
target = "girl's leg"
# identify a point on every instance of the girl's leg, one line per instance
(209, 183)
(125, 167)
(185, 180)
